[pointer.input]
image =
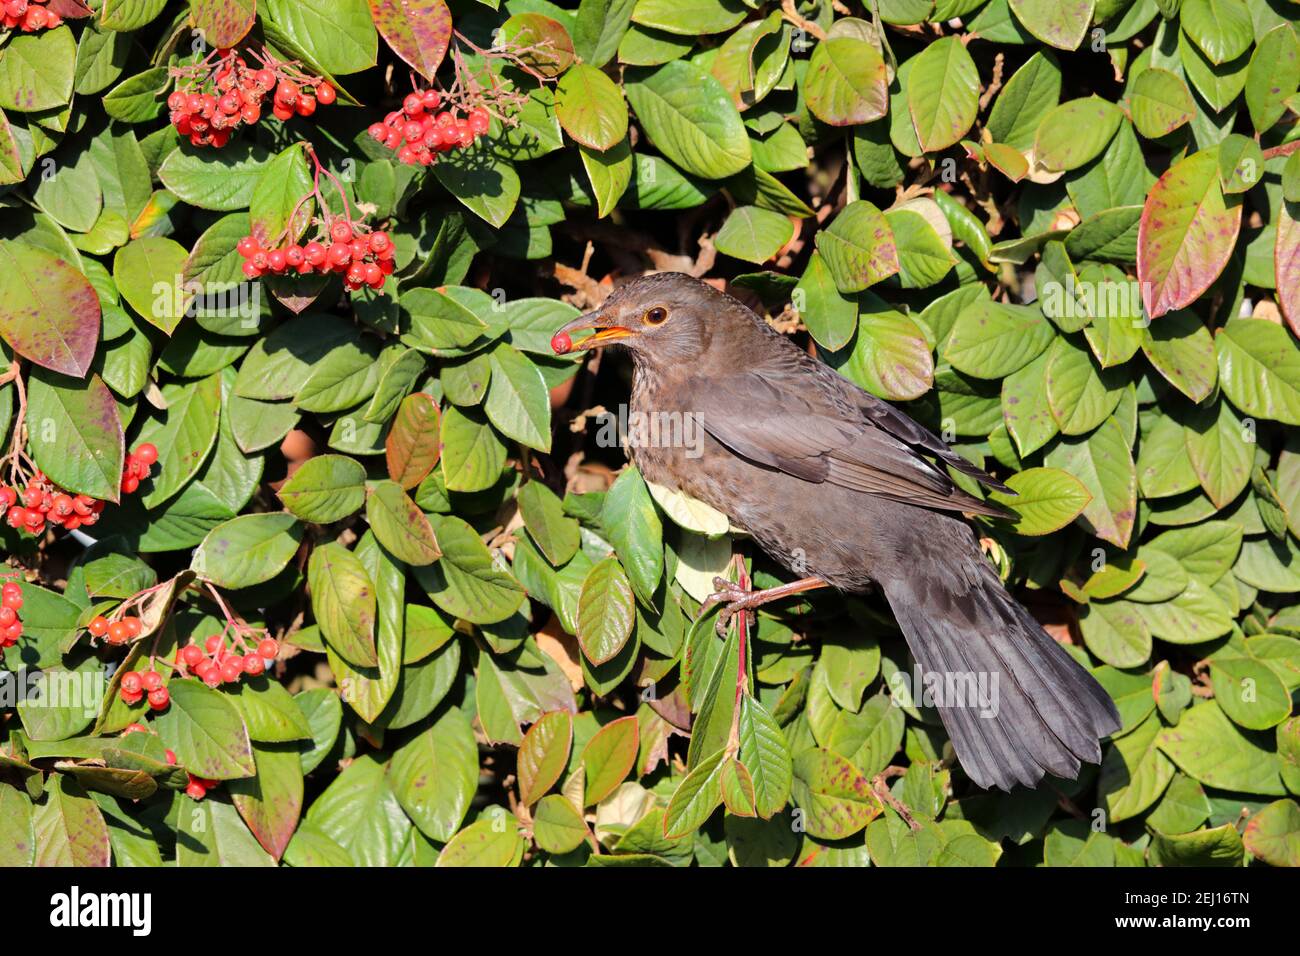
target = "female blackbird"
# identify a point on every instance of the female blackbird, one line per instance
(840, 487)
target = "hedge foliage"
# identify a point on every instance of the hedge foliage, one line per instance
(1064, 235)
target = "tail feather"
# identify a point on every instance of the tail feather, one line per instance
(1049, 713)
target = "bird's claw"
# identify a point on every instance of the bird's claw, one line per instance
(732, 597)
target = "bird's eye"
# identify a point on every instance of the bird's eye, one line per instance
(656, 316)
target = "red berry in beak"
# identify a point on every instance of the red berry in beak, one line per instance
(561, 343)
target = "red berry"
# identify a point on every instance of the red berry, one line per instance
(132, 625)
(251, 270)
(212, 643)
(413, 104)
(159, 698)
(431, 99)
(250, 113)
(276, 260)
(118, 633)
(325, 94)
(132, 683)
(11, 595)
(254, 665)
(146, 453)
(130, 484)
(379, 241)
(374, 276)
(152, 680)
(479, 120)
(306, 106)
(134, 729)
(231, 668)
(7, 616)
(195, 790)
(378, 131)
(294, 256)
(286, 93)
(282, 113)
(268, 647)
(16, 516)
(192, 654)
(247, 246)
(265, 78)
(561, 343)
(314, 253)
(83, 504)
(8, 498)
(176, 101)
(341, 230)
(98, 625)
(340, 254)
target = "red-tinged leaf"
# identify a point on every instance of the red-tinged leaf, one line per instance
(271, 801)
(544, 754)
(1186, 234)
(609, 756)
(1286, 263)
(70, 9)
(11, 163)
(417, 30)
(223, 22)
(413, 443)
(49, 312)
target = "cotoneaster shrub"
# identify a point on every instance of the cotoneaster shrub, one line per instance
(371, 587)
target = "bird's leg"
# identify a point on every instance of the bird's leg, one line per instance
(734, 598)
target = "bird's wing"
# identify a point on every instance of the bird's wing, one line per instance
(780, 415)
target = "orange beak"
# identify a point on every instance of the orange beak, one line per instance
(605, 333)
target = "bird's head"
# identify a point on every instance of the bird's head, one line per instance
(661, 318)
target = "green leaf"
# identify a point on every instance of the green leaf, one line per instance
(472, 451)
(75, 434)
(608, 758)
(846, 82)
(271, 801)
(277, 215)
(325, 488)
(434, 775)
(36, 70)
(482, 181)
(224, 181)
(487, 843)
(466, 581)
(1134, 772)
(1273, 834)
(558, 827)
(942, 94)
(49, 313)
(544, 754)
(1080, 394)
(248, 550)
(690, 118)
(1259, 368)
(1221, 28)
(991, 339)
(343, 602)
(1075, 133)
(68, 828)
(1046, 500)
(1025, 101)
(606, 611)
(836, 798)
(830, 316)
(1180, 349)
(609, 173)
(632, 525)
(590, 107)
(1220, 452)
(766, 755)
(543, 513)
(1058, 23)
(1272, 76)
(689, 17)
(753, 234)
(1186, 234)
(518, 401)
(206, 732)
(399, 525)
(1160, 102)
(148, 272)
(1208, 748)
(1103, 461)
(858, 247)
(696, 797)
(341, 38)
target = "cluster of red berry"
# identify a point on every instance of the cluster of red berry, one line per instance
(135, 686)
(137, 465)
(11, 626)
(29, 15)
(418, 131)
(115, 632)
(43, 501)
(215, 664)
(364, 259)
(239, 92)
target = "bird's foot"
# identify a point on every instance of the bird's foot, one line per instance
(733, 598)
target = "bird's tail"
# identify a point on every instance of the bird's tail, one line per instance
(1013, 701)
